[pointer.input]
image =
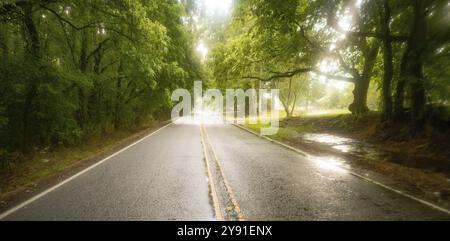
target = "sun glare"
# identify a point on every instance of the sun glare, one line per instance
(345, 22)
(202, 50)
(216, 7)
(330, 66)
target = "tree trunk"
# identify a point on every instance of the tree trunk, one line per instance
(388, 63)
(4, 44)
(35, 51)
(416, 64)
(82, 112)
(118, 101)
(289, 100)
(359, 105)
(32, 32)
(285, 97)
(400, 89)
(411, 73)
(362, 82)
(84, 51)
(295, 96)
(286, 109)
(98, 61)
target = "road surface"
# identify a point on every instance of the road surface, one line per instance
(165, 177)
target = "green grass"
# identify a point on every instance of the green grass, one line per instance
(286, 131)
(324, 113)
(328, 113)
(282, 132)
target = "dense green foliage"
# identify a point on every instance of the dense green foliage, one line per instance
(71, 69)
(402, 47)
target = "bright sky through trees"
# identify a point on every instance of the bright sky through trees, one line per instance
(330, 66)
(216, 8)
(212, 9)
(202, 50)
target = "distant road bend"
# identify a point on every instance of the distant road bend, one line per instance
(187, 172)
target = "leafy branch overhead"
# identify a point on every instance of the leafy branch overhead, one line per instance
(393, 44)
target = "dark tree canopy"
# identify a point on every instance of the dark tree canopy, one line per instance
(73, 69)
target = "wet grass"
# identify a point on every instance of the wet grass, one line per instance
(311, 113)
(282, 133)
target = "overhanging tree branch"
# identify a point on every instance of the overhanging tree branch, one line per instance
(99, 47)
(289, 74)
(279, 75)
(89, 25)
(335, 77)
(391, 38)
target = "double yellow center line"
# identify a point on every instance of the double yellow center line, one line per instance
(207, 146)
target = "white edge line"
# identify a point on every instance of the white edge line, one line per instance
(274, 141)
(429, 204)
(38, 196)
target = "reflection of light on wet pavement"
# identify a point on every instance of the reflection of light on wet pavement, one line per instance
(343, 148)
(345, 145)
(327, 139)
(330, 164)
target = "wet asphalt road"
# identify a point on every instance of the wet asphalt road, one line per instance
(271, 182)
(163, 177)
(160, 178)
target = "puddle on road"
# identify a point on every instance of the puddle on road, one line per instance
(343, 144)
(367, 151)
(329, 163)
(326, 138)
